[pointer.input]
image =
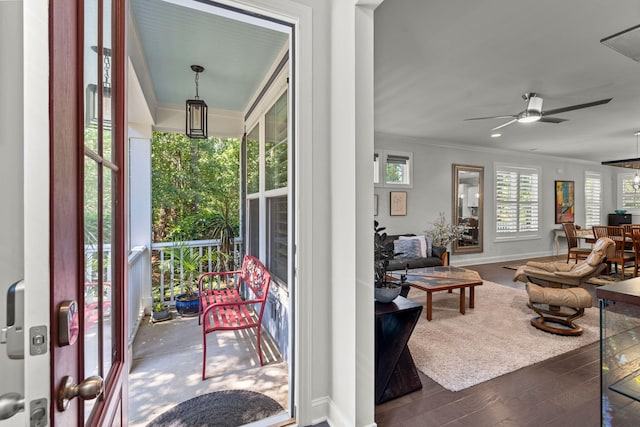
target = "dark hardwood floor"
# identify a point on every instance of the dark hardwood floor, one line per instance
(562, 391)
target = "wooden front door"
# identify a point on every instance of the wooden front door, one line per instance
(87, 87)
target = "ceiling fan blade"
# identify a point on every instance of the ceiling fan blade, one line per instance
(494, 117)
(551, 119)
(576, 107)
(505, 124)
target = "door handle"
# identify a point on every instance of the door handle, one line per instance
(88, 389)
(10, 404)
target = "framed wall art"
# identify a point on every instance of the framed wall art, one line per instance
(398, 203)
(565, 202)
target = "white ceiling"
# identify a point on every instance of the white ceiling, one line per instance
(236, 55)
(438, 62)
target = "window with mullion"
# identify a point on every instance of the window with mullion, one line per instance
(517, 203)
(278, 234)
(267, 160)
(592, 199)
(253, 160)
(276, 145)
(630, 196)
(392, 169)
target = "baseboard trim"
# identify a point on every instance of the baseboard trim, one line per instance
(324, 410)
(503, 258)
(320, 410)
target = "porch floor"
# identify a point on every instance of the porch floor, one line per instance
(166, 366)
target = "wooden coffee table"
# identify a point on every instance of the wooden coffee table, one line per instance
(444, 278)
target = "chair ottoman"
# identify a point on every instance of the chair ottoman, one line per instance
(557, 308)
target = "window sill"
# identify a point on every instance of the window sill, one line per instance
(515, 238)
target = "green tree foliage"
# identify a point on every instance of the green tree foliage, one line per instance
(195, 188)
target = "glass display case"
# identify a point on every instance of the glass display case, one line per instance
(620, 352)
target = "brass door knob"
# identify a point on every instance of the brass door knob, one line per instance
(88, 389)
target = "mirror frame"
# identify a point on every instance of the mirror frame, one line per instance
(456, 169)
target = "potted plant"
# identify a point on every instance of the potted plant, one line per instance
(186, 264)
(385, 291)
(160, 312)
(187, 303)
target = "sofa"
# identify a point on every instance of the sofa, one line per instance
(410, 259)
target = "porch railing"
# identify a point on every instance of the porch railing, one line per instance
(173, 265)
(139, 274)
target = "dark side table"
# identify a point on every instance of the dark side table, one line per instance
(396, 373)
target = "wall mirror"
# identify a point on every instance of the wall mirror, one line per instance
(468, 184)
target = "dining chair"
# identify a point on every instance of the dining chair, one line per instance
(616, 233)
(635, 238)
(574, 251)
(628, 229)
(600, 231)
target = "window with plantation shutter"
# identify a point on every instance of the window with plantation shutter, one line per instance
(517, 202)
(630, 196)
(592, 199)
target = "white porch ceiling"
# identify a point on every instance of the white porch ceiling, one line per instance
(438, 62)
(174, 35)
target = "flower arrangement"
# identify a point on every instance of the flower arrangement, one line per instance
(443, 233)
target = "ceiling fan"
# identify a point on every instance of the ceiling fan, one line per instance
(533, 111)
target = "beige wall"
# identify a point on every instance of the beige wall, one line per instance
(431, 193)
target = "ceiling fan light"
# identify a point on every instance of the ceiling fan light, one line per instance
(527, 117)
(534, 104)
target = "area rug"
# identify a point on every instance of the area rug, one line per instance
(495, 338)
(228, 408)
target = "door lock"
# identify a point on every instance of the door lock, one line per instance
(88, 389)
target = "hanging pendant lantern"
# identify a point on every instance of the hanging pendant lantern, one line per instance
(196, 114)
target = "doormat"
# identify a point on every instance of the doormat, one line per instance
(225, 408)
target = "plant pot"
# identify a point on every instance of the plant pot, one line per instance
(187, 305)
(159, 316)
(387, 293)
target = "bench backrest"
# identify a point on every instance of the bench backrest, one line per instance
(256, 277)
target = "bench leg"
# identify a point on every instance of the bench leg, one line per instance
(259, 348)
(204, 353)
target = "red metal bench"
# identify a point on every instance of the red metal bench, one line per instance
(226, 310)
